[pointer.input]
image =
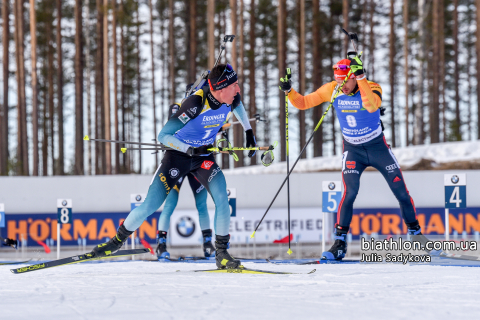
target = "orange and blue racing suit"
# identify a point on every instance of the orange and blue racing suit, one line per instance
(364, 144)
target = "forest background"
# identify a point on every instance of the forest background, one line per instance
(111, 68)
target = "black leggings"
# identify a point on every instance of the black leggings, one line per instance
(377, 154)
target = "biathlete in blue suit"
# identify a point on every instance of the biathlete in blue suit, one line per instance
(190, 133)
(200, 195)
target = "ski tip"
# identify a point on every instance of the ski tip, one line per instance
(289, 251)
(253, 235)
(86, 138)
(123, 150)
(313, 271)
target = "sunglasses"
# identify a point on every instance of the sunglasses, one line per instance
(340, 67)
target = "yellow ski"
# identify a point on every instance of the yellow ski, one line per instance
(242, 269)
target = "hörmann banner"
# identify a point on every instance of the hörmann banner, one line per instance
(306, 225)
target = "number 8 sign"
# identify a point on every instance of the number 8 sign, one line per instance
(64, 211)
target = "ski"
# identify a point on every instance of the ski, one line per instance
(242, 269)
(78, 259)
(190, 259)
(457, 256)
(317, 262)
(15, 262)
(182, 259)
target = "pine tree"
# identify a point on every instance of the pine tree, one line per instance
(60, 167)
(79, 152)
(392, 54)
(251, 63)
(33, 46)
(302, 75)
(22, 138)
(4, 133)
(106, 88)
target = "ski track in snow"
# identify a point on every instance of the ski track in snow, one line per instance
(151, 290)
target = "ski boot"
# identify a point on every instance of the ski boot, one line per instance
(161, 250)
(14, 243)
(114, 244)
(339, 248)
(208, 248)
(415, 232)
(222, 257)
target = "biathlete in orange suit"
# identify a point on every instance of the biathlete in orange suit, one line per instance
(358, 111)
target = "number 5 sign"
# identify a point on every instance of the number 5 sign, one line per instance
(331, 195)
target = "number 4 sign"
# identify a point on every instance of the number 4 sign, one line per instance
(455, 196)
(455, 190)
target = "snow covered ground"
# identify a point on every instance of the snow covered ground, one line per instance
(152, 290)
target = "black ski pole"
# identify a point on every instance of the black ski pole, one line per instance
(203, 77)
(303, 150)
(288, 75)
(87, 138)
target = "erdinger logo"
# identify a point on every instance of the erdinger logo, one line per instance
(185, 226)
(213, 118)
(350, 164)
(207, 165)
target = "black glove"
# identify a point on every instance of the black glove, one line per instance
(286, 83)
(192, 151)
(251, 142)
(356, 65)
(10, 242)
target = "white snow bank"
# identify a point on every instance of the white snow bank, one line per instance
(407, 156)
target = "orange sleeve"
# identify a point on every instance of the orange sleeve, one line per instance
(324, 93)
(371, 94)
